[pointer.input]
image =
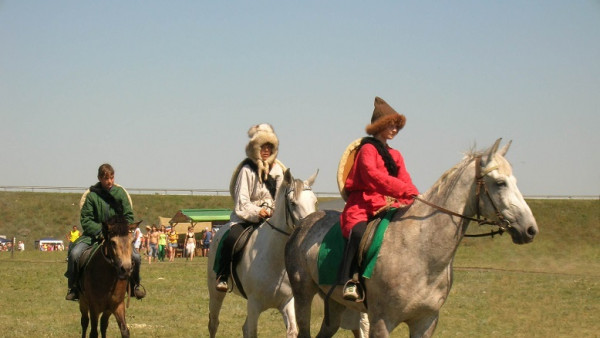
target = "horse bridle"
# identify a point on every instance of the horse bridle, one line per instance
(109, 258)
(290, 220)
(502, 223)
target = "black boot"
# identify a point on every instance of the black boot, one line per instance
(136, 288)
(73, 293)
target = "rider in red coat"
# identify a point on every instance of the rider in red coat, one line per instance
(378, 180)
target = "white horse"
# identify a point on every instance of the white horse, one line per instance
(413, 272)
(261, 270)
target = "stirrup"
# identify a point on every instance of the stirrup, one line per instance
(353, 292)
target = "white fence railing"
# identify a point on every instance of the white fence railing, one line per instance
(224, 192)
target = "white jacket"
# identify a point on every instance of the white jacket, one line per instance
(250, 194)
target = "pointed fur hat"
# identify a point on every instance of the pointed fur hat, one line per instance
(383, 116)
(260, 134)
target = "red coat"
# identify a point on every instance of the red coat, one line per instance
(368, 183)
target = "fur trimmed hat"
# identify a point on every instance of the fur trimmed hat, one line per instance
(259, 135)
(383, 116)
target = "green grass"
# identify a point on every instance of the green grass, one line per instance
(550, 288)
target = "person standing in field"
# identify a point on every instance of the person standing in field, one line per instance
(162, 244)
(190, 244)
(206, 239)
(152, 244)
(173, 237)
(73, 235)
(137, 240)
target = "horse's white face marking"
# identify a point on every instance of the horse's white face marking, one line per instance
(507, 197)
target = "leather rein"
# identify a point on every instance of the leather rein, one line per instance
(503, 224)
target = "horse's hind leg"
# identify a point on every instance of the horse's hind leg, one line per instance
(331, 321)
(303, 297)
(215, 303)
(423, 327)
(289, 318)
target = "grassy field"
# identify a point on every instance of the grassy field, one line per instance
(550, 288)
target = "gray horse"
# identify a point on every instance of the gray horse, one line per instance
(413, 271)
(261, 269)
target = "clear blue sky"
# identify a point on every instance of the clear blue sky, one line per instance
(166, 90)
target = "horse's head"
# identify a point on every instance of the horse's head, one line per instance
(500, 198)
(298, 198)
(117, 244)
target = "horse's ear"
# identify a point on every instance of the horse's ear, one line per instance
(495, 147)
(311, 180)
(504, 149)
(287, 176)
(490, 153)
(132, 226)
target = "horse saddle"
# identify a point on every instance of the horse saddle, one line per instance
(240, 243)
(84, 259)
(237, 251)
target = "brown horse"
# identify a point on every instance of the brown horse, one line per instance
(106, 277)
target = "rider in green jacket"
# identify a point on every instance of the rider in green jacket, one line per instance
(98, 204)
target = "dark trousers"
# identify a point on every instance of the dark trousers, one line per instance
(235, 232)
(350, 262)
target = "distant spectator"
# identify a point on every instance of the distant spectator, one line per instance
(190, 244)
(162, 244)
(137, 240)
(152, 244)
(206, 239)
(173, 237)
(73, 235)
(21, 246)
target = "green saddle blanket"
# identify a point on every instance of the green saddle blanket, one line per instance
(331, 252)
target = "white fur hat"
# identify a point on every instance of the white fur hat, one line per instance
(259, 135)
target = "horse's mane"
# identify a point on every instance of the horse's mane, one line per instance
(442, 188)
(120, 226)
(298, 187)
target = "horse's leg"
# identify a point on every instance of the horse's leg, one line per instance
(423, 327)
(289, 318)
(85, 319)
(215, 303)
(304, 291)
(335, 318)
(253, 310)
(104, 323)
(120, 317)
(378, 328)
(94, 318)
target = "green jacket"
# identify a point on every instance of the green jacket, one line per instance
(95, 210)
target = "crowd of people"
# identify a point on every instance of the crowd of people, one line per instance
(161, 243)
(8, 246)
